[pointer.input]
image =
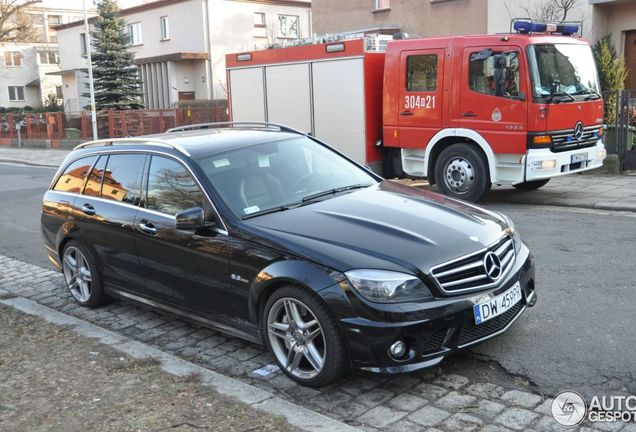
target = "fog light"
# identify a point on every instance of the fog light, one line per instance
(544, 165)
(602, 154)
(398, 349)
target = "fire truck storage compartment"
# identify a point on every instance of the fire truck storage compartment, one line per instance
(336, 99)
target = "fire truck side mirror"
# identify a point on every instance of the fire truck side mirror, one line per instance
(500, 64)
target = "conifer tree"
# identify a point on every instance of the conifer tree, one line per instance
(116, 78)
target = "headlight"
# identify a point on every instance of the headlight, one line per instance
(387, 286)
(512, 230)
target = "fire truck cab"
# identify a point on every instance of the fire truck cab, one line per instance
(464, 111)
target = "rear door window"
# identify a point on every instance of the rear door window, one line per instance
(122, 178)
(171, 188)
(74, 176)
(94, 183)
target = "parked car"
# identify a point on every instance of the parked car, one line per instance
(268, 234)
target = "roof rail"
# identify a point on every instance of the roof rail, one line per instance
(235, 123)
(122, 141)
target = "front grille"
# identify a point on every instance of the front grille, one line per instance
(471, 332)
(564, 140)
(468, 273)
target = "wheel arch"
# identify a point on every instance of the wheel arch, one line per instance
(310, 276)
(447, 137)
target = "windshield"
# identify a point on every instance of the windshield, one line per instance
(572, 66)
(279, 175)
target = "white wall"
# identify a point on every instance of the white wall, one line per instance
(28, 71)
(501, 12)
(232, 24)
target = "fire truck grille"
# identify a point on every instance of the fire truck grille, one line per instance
(564, 141)
(468, 273)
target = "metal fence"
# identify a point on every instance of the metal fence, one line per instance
(620, 115)
(110, 123)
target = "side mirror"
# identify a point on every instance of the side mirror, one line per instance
(190, 219)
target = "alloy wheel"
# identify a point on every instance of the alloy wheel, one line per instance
(77, 274)
(296, 338)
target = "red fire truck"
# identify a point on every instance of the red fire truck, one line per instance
(464, 111)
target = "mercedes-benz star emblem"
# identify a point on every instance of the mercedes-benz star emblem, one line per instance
(492, 265)
(578, 130)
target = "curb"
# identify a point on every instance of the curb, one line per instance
(596, 206)
(298, 416)
(27, 163)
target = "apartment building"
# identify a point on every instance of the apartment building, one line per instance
(180, 45)
(25, 66)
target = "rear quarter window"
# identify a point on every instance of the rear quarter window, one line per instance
(74, 176)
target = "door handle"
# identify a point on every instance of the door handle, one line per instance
(469, 114)
(88, 209)
(147, 228)
(406, 113)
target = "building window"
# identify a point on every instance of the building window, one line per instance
(165, 28)
(58, 92)
(54, 20)
(83, 44)
(421, 73)
(16, 94)
(134, 33)
(48, 57)
(288, 26)
(381, 5)
(259, 19)
(12, 59)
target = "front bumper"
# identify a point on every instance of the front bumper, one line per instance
(433, 329)
(594, 159)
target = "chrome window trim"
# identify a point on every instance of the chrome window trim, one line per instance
(222, 230)
(504, 274)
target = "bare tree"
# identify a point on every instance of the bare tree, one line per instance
(555, 11)
(15, 23)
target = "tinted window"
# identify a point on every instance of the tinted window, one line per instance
(171, 188)
(94, 183)
(121, 180)
(72, 180)
(481, 73)
(421, 73)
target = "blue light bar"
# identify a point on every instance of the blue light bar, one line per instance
(535, 27)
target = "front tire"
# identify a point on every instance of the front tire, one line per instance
(461, 172)
(531, 185)
(82, 276)
(304, 337)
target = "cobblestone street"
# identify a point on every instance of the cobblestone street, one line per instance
(425, 401)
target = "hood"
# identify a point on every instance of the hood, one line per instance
(386, 226)
(565, 115)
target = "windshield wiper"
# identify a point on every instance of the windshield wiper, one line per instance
(334, 191)
(594, 95)
(267, 211)
(559, 94)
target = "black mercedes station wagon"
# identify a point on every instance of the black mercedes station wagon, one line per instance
(268, 234)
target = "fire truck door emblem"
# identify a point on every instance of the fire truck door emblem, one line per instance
(496, 115)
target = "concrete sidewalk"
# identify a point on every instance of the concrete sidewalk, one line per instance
(36, 157)
(607, 192)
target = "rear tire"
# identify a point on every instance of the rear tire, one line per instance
(532, 185)
(308, 348)
(82, 276)
(461, 172)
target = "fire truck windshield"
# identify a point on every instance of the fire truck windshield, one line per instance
(563, 70)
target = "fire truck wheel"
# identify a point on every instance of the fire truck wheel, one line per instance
(461, 172)
(532, 185)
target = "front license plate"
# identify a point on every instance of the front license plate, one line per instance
(579, 157)
(498, 305)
